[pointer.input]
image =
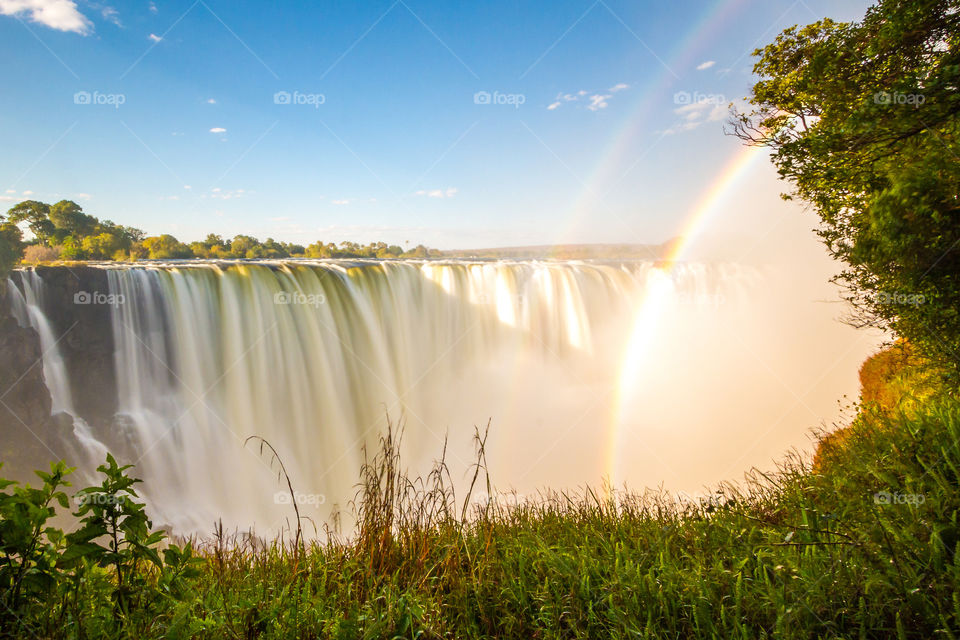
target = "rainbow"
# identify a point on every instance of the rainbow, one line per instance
(649, 310)
(653, 95)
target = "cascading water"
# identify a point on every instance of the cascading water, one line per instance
(312, 356)
(28, 309)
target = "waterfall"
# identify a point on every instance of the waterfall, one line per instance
(312, 356)
(30, 311)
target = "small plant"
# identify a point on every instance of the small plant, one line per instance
(115, 533)
(29, 548)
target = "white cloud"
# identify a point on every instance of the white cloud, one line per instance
(83, 196)
(56, 14)
(218, 130)
(695, 114)
(703, 66)
(598, 102)
(153, 8)
(449, 192)
(111, 15)
(154, 37)
(344, 201)
(211, 101)
(11, 190)
(27, 193)
(216, 193)
(593, 101)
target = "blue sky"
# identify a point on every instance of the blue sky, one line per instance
(451, 124)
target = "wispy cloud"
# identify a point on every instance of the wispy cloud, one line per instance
(342, 201)
(230, 194)
(592, 100)
(218, 130)
(437, 193)
(109, 13)
(703, 66)
(62, 15)
(695, 114)
(598, 101)
(154, 37)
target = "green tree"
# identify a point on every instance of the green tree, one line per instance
(104, 246)
(37, 216)
(242, 245)
(68, 218)
(71, 248)
(862, 120)
(11, 247)
(166, 247)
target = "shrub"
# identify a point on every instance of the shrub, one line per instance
(36, 253)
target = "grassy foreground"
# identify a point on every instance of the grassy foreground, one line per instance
(861, 544)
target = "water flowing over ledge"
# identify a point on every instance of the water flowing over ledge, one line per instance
(311, 355)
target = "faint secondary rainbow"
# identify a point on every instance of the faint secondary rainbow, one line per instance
(657, 290)
(609, 170)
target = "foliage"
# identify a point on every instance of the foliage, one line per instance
(865, 546)
(64, 227)
(863, 121)
(105, 577)
(29, 548)
(11, 247)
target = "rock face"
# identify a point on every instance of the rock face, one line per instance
(86, 337)
(30, 435)
(25, 420)
(24, 397)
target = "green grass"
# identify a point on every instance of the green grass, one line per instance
(793, 554)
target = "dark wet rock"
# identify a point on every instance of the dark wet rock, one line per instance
(81, 321)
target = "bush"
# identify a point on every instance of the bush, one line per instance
(36, 253)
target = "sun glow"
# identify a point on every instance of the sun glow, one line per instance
(649, 311)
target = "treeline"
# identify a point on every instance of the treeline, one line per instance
(62, 231)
